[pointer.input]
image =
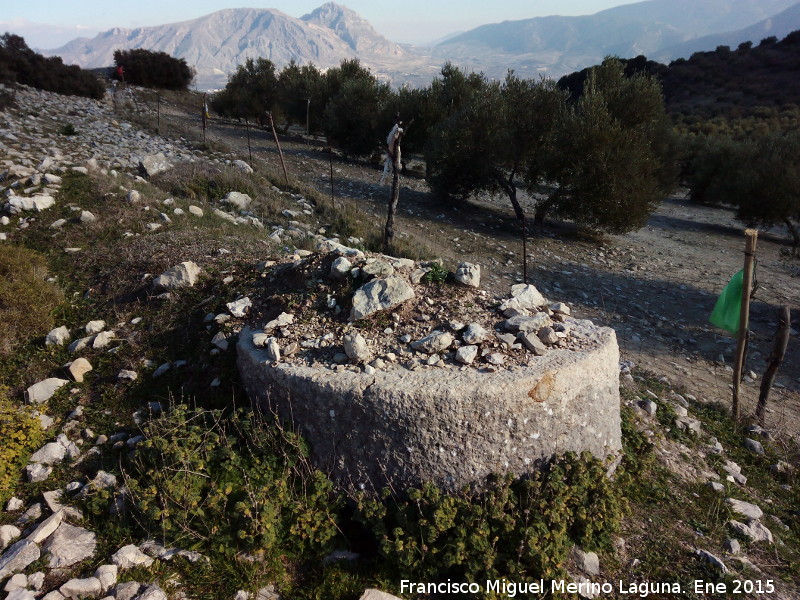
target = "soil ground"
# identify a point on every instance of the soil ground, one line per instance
(656, 286)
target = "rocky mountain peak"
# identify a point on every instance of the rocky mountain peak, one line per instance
(352, 29)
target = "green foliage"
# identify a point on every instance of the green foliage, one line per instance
(760, 177)
(204, 181)
(22, 434)
(352, 114)
(251, 91)
(26, 299)
(302, 93)
(20, 64)
(154, 69)
(230, 483)
(521, 529)
(68, 129)
(615, 159)
(436, 274)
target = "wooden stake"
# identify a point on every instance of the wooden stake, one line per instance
(751, 236)
(524, 249)
(278, 144)
(330, 159)
(388, 231)
(775, 360)
(203, 109)
(249, 150)
(158, 113)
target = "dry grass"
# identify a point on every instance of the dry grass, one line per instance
(26, 298)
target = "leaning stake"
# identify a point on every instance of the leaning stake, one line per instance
(775, 361)
(278, 144)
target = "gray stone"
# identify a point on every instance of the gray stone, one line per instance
(588, 562)
(107, 575)
(754, 446)
(49, 454)
(746, 509)
(80, 344)
(8, 533)
(466, 354)
(14, 504)
(565, 400)
(54, 595)
(716, 486)
(57, 337)
(561, 309)
(103, 339)
(87, 217)
(46, 528)
(36, 472)
(127, 590)
(279, 322)
(81, 588)
(237, 200)
(44, 390)
(649, 407)
(133, 196)
(243, 166)
(340, 268)
(507, 339)
(532, 342)
(373, 594)
(78, 368)
(377, 268)
(34, 513)
(36, 580)
(732, 546)
(355, 346)
(523, 297)
(379, 294)
(239, 307)
(94, 327)
(130, 556)
(69, 545)
(528, 323)
(152, 592)
(127, 375)
(474, 334)
(433, 343)
(153, 165)
(712, 560)
(35, 203)
(195, 210)
(469, 274)
(688, 424)
(548, 336)
(16, 582)
(495, 358)
(182, 275)
(18, 557)
(21, 594)
(272, 349)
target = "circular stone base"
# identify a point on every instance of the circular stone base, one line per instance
(402, 427)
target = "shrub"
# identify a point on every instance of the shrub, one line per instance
(154, 69)
(230, 483)
(20, 64)
(26, 299)
(21, 433)
(521, 529)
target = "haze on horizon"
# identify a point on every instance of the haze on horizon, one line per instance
(49, 24)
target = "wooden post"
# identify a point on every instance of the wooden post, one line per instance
(330, 160)
(158, 113)
(308, 116)
(249, 150)
(388, 231)
(524, 249)
(278, 144)
(751, 236)
(775, 360)
(203, 109)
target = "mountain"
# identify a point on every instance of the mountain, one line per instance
(780, 25)
(214, 44)
(557, 45)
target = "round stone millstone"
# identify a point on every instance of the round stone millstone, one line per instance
(401, 427)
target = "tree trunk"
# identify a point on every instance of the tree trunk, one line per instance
(511, 190)
(388, 231)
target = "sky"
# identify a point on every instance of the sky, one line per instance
(48, 24)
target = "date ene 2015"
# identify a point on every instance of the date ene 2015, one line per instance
(738, 586)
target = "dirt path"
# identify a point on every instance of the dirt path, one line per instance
(655, 286)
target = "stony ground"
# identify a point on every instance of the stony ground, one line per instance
(719, 504)
(655, 286)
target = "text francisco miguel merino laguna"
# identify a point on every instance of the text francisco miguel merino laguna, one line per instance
(641, 589)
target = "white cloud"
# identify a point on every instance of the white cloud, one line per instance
(46, 35)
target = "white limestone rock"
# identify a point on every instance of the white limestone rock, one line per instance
(379, 294)
(44, 390)
(182, 275)
(57, 337)
(469, 274)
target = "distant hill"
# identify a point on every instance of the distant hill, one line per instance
(722, 81)
(779, 26)
(556, 45)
